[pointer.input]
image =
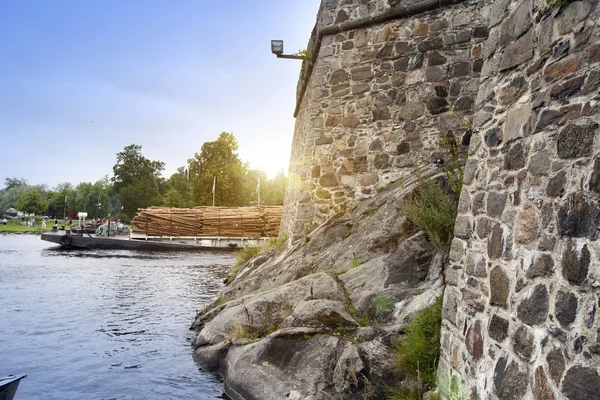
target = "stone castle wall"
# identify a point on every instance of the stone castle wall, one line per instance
(521, 303)
(387, 78)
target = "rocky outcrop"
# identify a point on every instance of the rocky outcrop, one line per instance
(304, 322)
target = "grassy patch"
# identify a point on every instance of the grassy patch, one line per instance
(417, 352)
(240, 331)
(16, 226)
(249, 252)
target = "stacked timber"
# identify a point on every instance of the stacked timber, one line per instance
(259, 221)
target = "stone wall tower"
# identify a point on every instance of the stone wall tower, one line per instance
(387, 78)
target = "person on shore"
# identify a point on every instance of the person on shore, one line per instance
(4, 221)
(43, 224)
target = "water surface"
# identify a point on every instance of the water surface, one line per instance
(104, 324)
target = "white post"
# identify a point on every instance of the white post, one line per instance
(213, 190)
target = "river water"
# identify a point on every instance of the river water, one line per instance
(104, 324)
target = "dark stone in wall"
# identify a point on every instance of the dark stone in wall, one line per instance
(574, 266)
(556, 363)
(416, 61)
(568, 88)
(576, 141)
(581, 383)
(323, 140)
(565, 308)
(541, 266)
(481, 32)
(561, 49)
(376, 145)
(441, 90)
(495, 204)
(493, 137)
(499, 287)
(556, 184)
(523, 343)
(595, 178)
(498, 329)
(403, 148)
(437, 105)
(434, 58)
(534, 310)
(578, 217)
(431, 44)
(474, 340)
(495, 244)
(515, 159)
(510, 383)
(338, 76)
(518, 52)
(464, 103)
(380, 114)
(541, 388)
(381, 161)
(385, 51)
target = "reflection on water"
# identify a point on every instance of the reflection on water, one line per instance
(104, 324)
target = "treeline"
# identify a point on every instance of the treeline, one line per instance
(137, 182)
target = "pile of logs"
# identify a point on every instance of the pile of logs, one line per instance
(259, 221)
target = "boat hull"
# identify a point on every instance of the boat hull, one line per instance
(9, 385)
(71, 240)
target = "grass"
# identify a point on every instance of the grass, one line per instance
(417, 352)
(433, 208)
(383, 303)
(15, 226)
(240, 331)
(249, 252)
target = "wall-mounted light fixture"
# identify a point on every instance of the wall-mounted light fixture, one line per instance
(277, 49)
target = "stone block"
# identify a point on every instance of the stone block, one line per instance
(516, 157)
(517, 122)
(474, 340)
(533, 309)
(576, 141)
(581, 383)
(575, 263)
(518, 52)
(523, 343)
(498, 329)
(436, 74)
(565, 308)
(541, 388)
(328, 180)
(510, 382)
(556, 364)
(542, 265)
(496, 203)
(495, 244)
(563, 68)
(578, 217)
(499, 287)
(528, 226)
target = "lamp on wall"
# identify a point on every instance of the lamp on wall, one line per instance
(277, 49)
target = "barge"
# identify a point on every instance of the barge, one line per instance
(9, 385)
(77, 239)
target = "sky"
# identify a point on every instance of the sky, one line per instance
(81, 80)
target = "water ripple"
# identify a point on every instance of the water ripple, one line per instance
(104, 324)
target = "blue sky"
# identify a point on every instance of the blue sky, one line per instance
(80, 80)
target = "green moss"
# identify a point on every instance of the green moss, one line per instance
(558, 3)
(417, 352)
(220, 301)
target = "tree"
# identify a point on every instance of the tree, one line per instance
(274, 190)
(178, 190)
(219, 160)
(137, 179)
(32, 202)
(13, 182)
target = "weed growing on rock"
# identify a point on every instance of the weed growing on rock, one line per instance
(434, 204)
(418, 351)
(249, 252)
(240, 331)
(383, 303)
(557, 3)
(220, 301)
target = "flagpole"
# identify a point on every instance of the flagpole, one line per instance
(214, 183)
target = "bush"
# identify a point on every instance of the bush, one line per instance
(417, 352)
(433, 208)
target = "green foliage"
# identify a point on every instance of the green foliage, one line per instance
(32, 202)
(240, 331)
(178, 190)
(383, 303)
(434, 204)
(137, 180)
(417, 352)
(558, 3)
(433, 209)
(304, 54)
(219, 159)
